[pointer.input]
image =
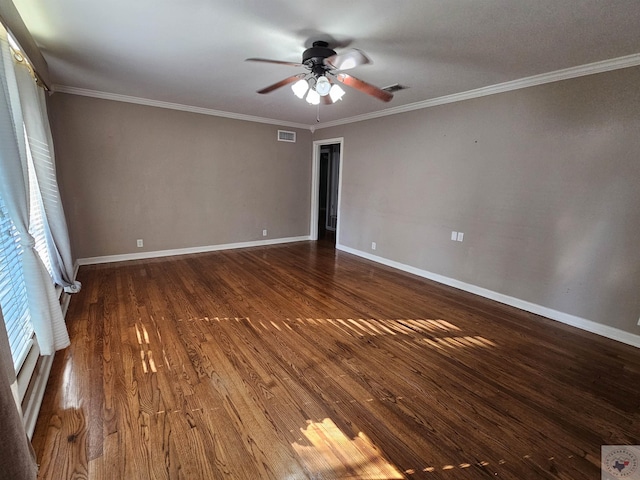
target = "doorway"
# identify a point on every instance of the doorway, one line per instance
(326, 187)
(328, 192)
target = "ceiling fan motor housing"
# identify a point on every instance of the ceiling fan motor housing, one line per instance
(313, 57)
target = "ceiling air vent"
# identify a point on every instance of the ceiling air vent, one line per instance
(285, 136)
(394, 88)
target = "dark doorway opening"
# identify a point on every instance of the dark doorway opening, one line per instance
(328, 193)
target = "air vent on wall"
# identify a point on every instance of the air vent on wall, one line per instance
(285, 136)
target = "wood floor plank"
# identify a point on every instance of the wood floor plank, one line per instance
(299, 361)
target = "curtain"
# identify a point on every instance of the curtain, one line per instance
(40, 145)
(17, 459)
(46, 315)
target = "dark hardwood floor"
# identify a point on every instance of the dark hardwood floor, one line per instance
(299, 361)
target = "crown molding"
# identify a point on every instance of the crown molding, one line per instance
(173, 106)
(558, 75)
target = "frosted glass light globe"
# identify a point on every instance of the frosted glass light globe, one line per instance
(323, 86)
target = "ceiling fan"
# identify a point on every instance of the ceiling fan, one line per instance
(325, 67)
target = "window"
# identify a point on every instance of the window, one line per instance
(13, 293)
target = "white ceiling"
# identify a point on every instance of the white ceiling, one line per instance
(192, 52)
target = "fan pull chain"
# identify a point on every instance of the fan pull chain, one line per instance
(318, 114)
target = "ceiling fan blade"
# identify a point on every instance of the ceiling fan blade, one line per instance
(347, 59)
(364, 87)
(277, 62)
(281, 83)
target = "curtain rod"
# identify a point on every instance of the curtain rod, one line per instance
(12, 21)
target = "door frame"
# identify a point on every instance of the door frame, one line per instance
(315, 185)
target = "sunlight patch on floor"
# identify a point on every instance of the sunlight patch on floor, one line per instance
(438, 334)
(459, 342)
(325, 450)
(146, 354)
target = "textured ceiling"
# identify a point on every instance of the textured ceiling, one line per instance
(192, 52)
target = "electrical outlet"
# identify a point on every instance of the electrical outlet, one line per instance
(264, 233)
(139, 243)
(454, 236)
(460, 236)
(373, 245)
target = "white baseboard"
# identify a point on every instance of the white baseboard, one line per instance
(34, 402)
(582, 323)
(184, 251)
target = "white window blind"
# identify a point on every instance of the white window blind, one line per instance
(13, 293)
(36, 209)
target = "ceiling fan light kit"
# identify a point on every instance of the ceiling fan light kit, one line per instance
(336, 93)
(300, 88)
(313, 97)
(323, 86)
(324, 64)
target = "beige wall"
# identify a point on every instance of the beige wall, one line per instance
(174, 179)
(544, 182)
